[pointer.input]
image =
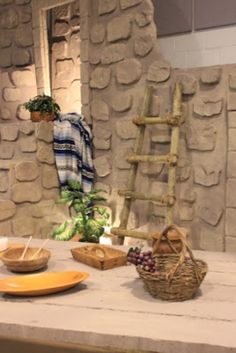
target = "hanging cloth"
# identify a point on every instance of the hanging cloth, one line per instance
(73, 150)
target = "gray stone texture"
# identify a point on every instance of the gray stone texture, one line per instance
(119, 28)
(206, 175)
(106, 6)
(128, 71)
(113, 53)
(208, 107)
(159, 71)
(143, 45)
(211, 75)
(202, 140)
(100, 78)
(97, 33)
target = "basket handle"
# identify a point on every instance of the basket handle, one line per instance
(182, 255)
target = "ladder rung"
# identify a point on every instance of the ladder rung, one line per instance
(151, 120)
(152, 158)
(130, 233)
(162, 200)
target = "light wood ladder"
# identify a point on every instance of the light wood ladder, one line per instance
(173, 119)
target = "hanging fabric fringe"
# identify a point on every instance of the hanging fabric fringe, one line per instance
(73, 150)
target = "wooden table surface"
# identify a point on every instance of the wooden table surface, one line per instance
(112, 309)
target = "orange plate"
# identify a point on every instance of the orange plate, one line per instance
(41, 283)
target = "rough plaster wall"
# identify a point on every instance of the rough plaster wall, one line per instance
(28, 178)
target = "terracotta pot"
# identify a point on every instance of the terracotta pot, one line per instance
(164, 247)
(37, 116)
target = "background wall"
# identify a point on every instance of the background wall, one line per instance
(119, 57)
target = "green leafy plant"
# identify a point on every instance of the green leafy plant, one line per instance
(89, 219)
(43, 104)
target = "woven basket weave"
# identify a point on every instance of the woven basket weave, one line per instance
(177, 276)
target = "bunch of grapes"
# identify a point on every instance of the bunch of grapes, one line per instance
(141, 258)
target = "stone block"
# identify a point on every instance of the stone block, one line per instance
(22, 113)
(61, 29)
(60, 49)
(5, 229)
(159, 188)
(43, 208)
(159, 71)
(28, 144)
(128, 71)
(75, 22)
(230, 222)
(207, 175)
(24, 36)
(121, 102)
(151, 169)
(50, 177)
(26, 171)
(97, 33)
(26, 192)
(188, 82)
(210, 212)
(120, 157)
(232, 81)
(9, 18)
(20, 57)
(23, 78)
(143, 45)
(5, 39)
(9, 132)
(201, 140)
(119, 28)
(99, 131)
(106, 189)
(231, 101)
(231, 139)
(230, 193)
(187, 195)
(4, 182)
(211, 239)
(7, 150)
(5, 113)
(143, 18)
(231, 166)
(84, 51)
(100, 78)
(232, 119)
(25, 15)
(23, 226)
(95, 55)
(125, 4)
(103, 166)
(11, 94)
(44, 131)
(161, 134)
(5, 58)
(99, 110)
(62, 12)
(208, 107)
(45, 154)
(113, 53)
(84, 27)
(106, 6)
(125, 129)
(7, 209)
(27, 127)
(101, 144)
(186, 212)
(211, 75)
(230, 244)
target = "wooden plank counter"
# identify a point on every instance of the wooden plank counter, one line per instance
(112, 311)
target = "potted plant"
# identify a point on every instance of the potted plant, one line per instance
(42, 107)
(89, 219)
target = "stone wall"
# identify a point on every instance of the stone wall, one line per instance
(119, 57)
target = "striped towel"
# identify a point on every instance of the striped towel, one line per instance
(73, 150)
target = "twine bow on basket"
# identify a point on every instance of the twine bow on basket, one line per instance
(182, 254)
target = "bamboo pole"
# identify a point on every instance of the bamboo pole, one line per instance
(151, 120)
(162, 200)
(176, 111)
(134, 168)
(152, 158)
(130, 233)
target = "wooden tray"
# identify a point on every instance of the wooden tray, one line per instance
(100, 256)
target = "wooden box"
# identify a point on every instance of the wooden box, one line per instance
(101, 257)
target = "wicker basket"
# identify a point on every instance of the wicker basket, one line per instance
(178, 275)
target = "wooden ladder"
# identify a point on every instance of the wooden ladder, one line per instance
(174, 119)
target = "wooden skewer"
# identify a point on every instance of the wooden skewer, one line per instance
(38, 251)
(26, 248)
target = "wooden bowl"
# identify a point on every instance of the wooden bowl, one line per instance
(11, 258)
